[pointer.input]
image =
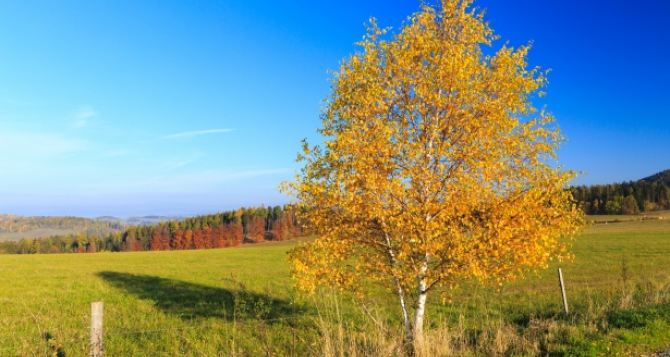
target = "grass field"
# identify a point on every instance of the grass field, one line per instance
(239, 301)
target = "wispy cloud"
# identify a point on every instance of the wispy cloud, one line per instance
(195, 133)
(17, 103)
(83, 117)
(181, 161)
(207, 179)
(110, 153)
(18, 145)
(199, 181)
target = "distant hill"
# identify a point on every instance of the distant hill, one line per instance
(651, 193)
(13, 227)
(661, 177)
(140, 221)
(150, 220)
(218, 230)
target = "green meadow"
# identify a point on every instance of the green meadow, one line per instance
(240, 301)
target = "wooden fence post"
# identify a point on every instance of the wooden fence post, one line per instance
(565, 299)
(96, 329)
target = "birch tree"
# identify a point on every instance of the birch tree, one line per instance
(436, 166)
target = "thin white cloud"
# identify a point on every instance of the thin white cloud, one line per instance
(201, 181)
(179, 162)
(18, 145)
(83, 117)
(205, 179)
(195, 133)
(17, 103)
(115, 153)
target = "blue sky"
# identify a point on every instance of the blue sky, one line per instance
(182, 107)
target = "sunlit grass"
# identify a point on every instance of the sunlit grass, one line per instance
(241, 300)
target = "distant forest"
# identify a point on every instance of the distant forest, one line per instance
(219, 230)
(251, 225)
(624, 198)
(18, 224)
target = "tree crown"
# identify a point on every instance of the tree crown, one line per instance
(434, 153)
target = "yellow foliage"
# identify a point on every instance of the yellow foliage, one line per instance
(436, 164)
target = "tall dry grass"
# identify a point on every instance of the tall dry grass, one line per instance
(486, 334)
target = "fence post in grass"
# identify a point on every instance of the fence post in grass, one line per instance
(96, 329)
(565, 299)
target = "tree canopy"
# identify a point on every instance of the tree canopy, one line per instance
(436, 165)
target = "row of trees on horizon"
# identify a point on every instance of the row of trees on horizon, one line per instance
(252, 225)
(623, 198)
(226, 229)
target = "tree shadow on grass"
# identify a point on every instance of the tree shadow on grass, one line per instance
(190, 300)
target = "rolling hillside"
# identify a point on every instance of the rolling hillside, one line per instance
(651, 193)
(13, 227)
(660, 177)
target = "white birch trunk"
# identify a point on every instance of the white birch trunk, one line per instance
(409, 335)
(420, 311)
